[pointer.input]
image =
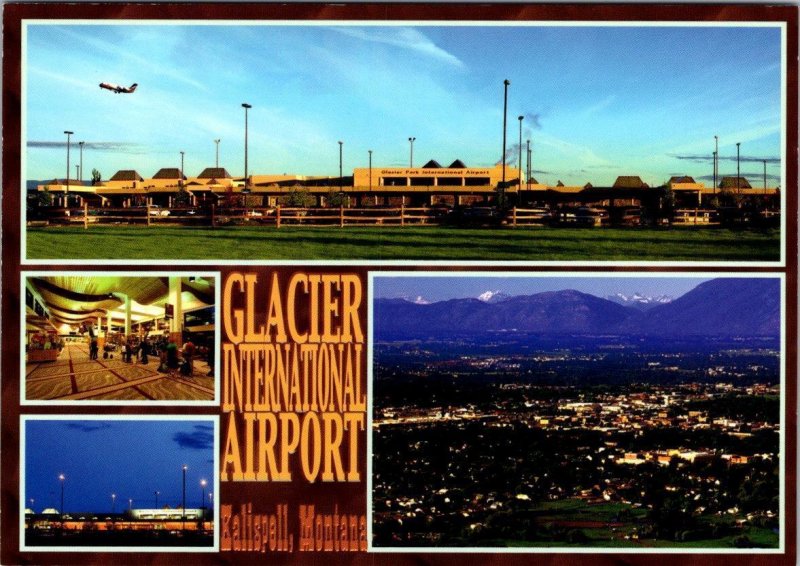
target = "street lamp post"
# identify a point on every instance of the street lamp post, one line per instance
(370, 169)
(716, 161)
(246, 107)
(156, 494)
(130, 505)
(737, 167)
(66, 190)
(216, 162)
(203, 506)
(80, 174)
(181, 179)
(411, 156)
(501, 193)
(183, 504)
(340, 165)
(528, 176)
(61, 478)
(765, 176)
(519, 183)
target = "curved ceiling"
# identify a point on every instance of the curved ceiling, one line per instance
(73, 299)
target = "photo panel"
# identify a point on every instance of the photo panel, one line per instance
(562, 412)
(119, 484)
(120, 338)
(604, 156)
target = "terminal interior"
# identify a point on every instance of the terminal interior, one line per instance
(107, 337)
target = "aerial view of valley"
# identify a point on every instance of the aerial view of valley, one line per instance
(575, 417)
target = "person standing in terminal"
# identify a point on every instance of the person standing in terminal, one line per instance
(172, 357)
(188, 356)
(210, 359)
(127, 351)
(144, 350)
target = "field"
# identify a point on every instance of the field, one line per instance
(402, 243)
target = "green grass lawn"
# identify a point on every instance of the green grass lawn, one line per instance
(408, 243)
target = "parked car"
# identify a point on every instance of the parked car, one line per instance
(158, 211)
(588, 216)
(477, 216)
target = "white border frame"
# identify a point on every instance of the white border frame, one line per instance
(24, 401)
(213, 419)
(782, 26)
(581, 550)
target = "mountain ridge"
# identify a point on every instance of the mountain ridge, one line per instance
(719, 307)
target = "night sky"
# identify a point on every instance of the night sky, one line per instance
(132, 459)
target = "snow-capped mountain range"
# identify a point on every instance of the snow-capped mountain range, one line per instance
(639, 300)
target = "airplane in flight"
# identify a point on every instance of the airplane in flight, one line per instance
(118, 89)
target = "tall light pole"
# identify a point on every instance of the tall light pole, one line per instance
(181, 179)
(156, 493)
(69, 133)
(765, 176)
(216, 162)
(203, 506)
(80, 175)
(716, 161)
(340, 165)
(61, 478)
(246, 108)
(370, 169)
(519, 183)
(183, 504)
(737, 167)
(411, 156)
(501, 193)
(528, 176)
(113, 502)
(130, 504)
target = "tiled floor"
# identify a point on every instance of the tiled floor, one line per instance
(73, 376)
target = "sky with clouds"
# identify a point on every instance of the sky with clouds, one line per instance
(597, 102)
(132, 459)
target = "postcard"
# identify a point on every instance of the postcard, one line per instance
(390, 283)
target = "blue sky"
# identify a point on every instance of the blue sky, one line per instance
(441, 288)
(132, 459)
(598, 101)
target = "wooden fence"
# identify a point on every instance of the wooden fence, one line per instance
(214, 216)
(368, 216)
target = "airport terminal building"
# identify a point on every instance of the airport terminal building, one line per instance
(431, 184)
